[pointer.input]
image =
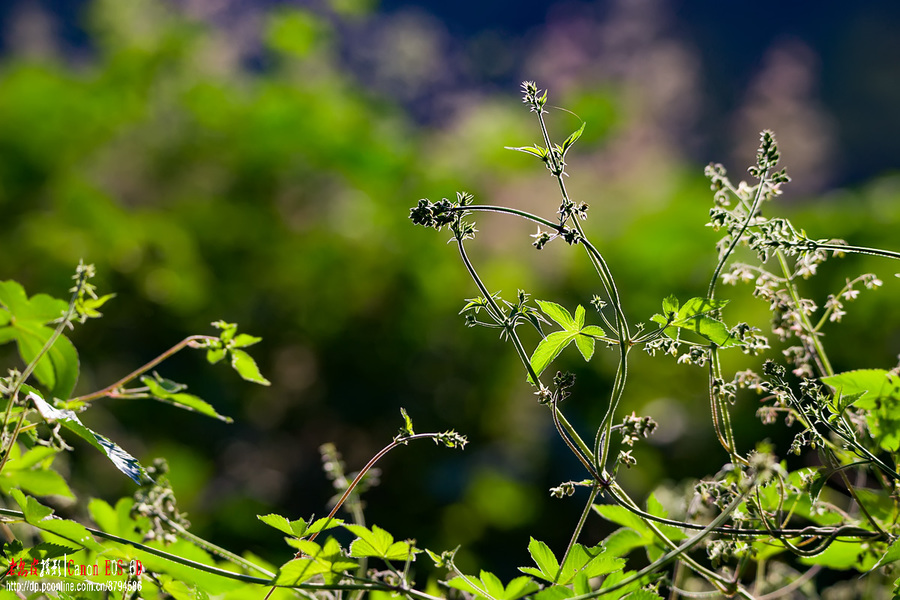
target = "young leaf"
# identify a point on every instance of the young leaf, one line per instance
(406, 430)
(572, 138)
(549, 348)
(246, 367)
(559, 314)
(579, 317)
(535, 150)
(68, 419)
(280, 523)
(242, 340)
(670, 307)
(378, 543)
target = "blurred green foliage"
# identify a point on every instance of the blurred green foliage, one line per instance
(277, 197)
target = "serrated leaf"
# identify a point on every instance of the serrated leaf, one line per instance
(585, 345)
(543, 557)
(559, 314)
(40, 482)
(579, 317)
(47, 551)
(214, 355)
(871, 383)
(406, 430)
(68, 419)
(670, 306)
(57, 369)
(519, 587)
(693, 316)
(549, 348)
(592, 330)
(378, 543)
(246, 367)
(242, 340)
(556, 592)
(40, 516)
(280, 523)
(492, 584)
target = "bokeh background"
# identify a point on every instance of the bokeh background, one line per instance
(256, 161)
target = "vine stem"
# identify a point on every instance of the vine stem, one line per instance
(194, 341)
(819, 352)
(355, 482)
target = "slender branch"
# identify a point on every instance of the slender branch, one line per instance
(193, 341)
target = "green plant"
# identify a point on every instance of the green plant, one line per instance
(759, 528)
(767, 527)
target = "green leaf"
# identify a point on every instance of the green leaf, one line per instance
(228, 330)
(585, 345)
(591, 562)
(58, 368)
(877, 392)
(643, 595)
(579, 317)
(246, 367)
(40, 516)
(44, 482)
(555, 592)
(378, 543)
(242, 340)
(871, 383)
(543, 557)
(25, 322)
(535, 150)
(280, 523)
(559, 314)
(327, 560)
(592, 330)
(407, 429)
(622, 516)
(655, 508)
(892, 554)
(87, 306)
(670, 307)
(572, 138)
(214, 355)
(68, 419)
(519, 587)
(166, 391)
(549, 348)
(622, 541)
(693, 316)
(491, 587)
